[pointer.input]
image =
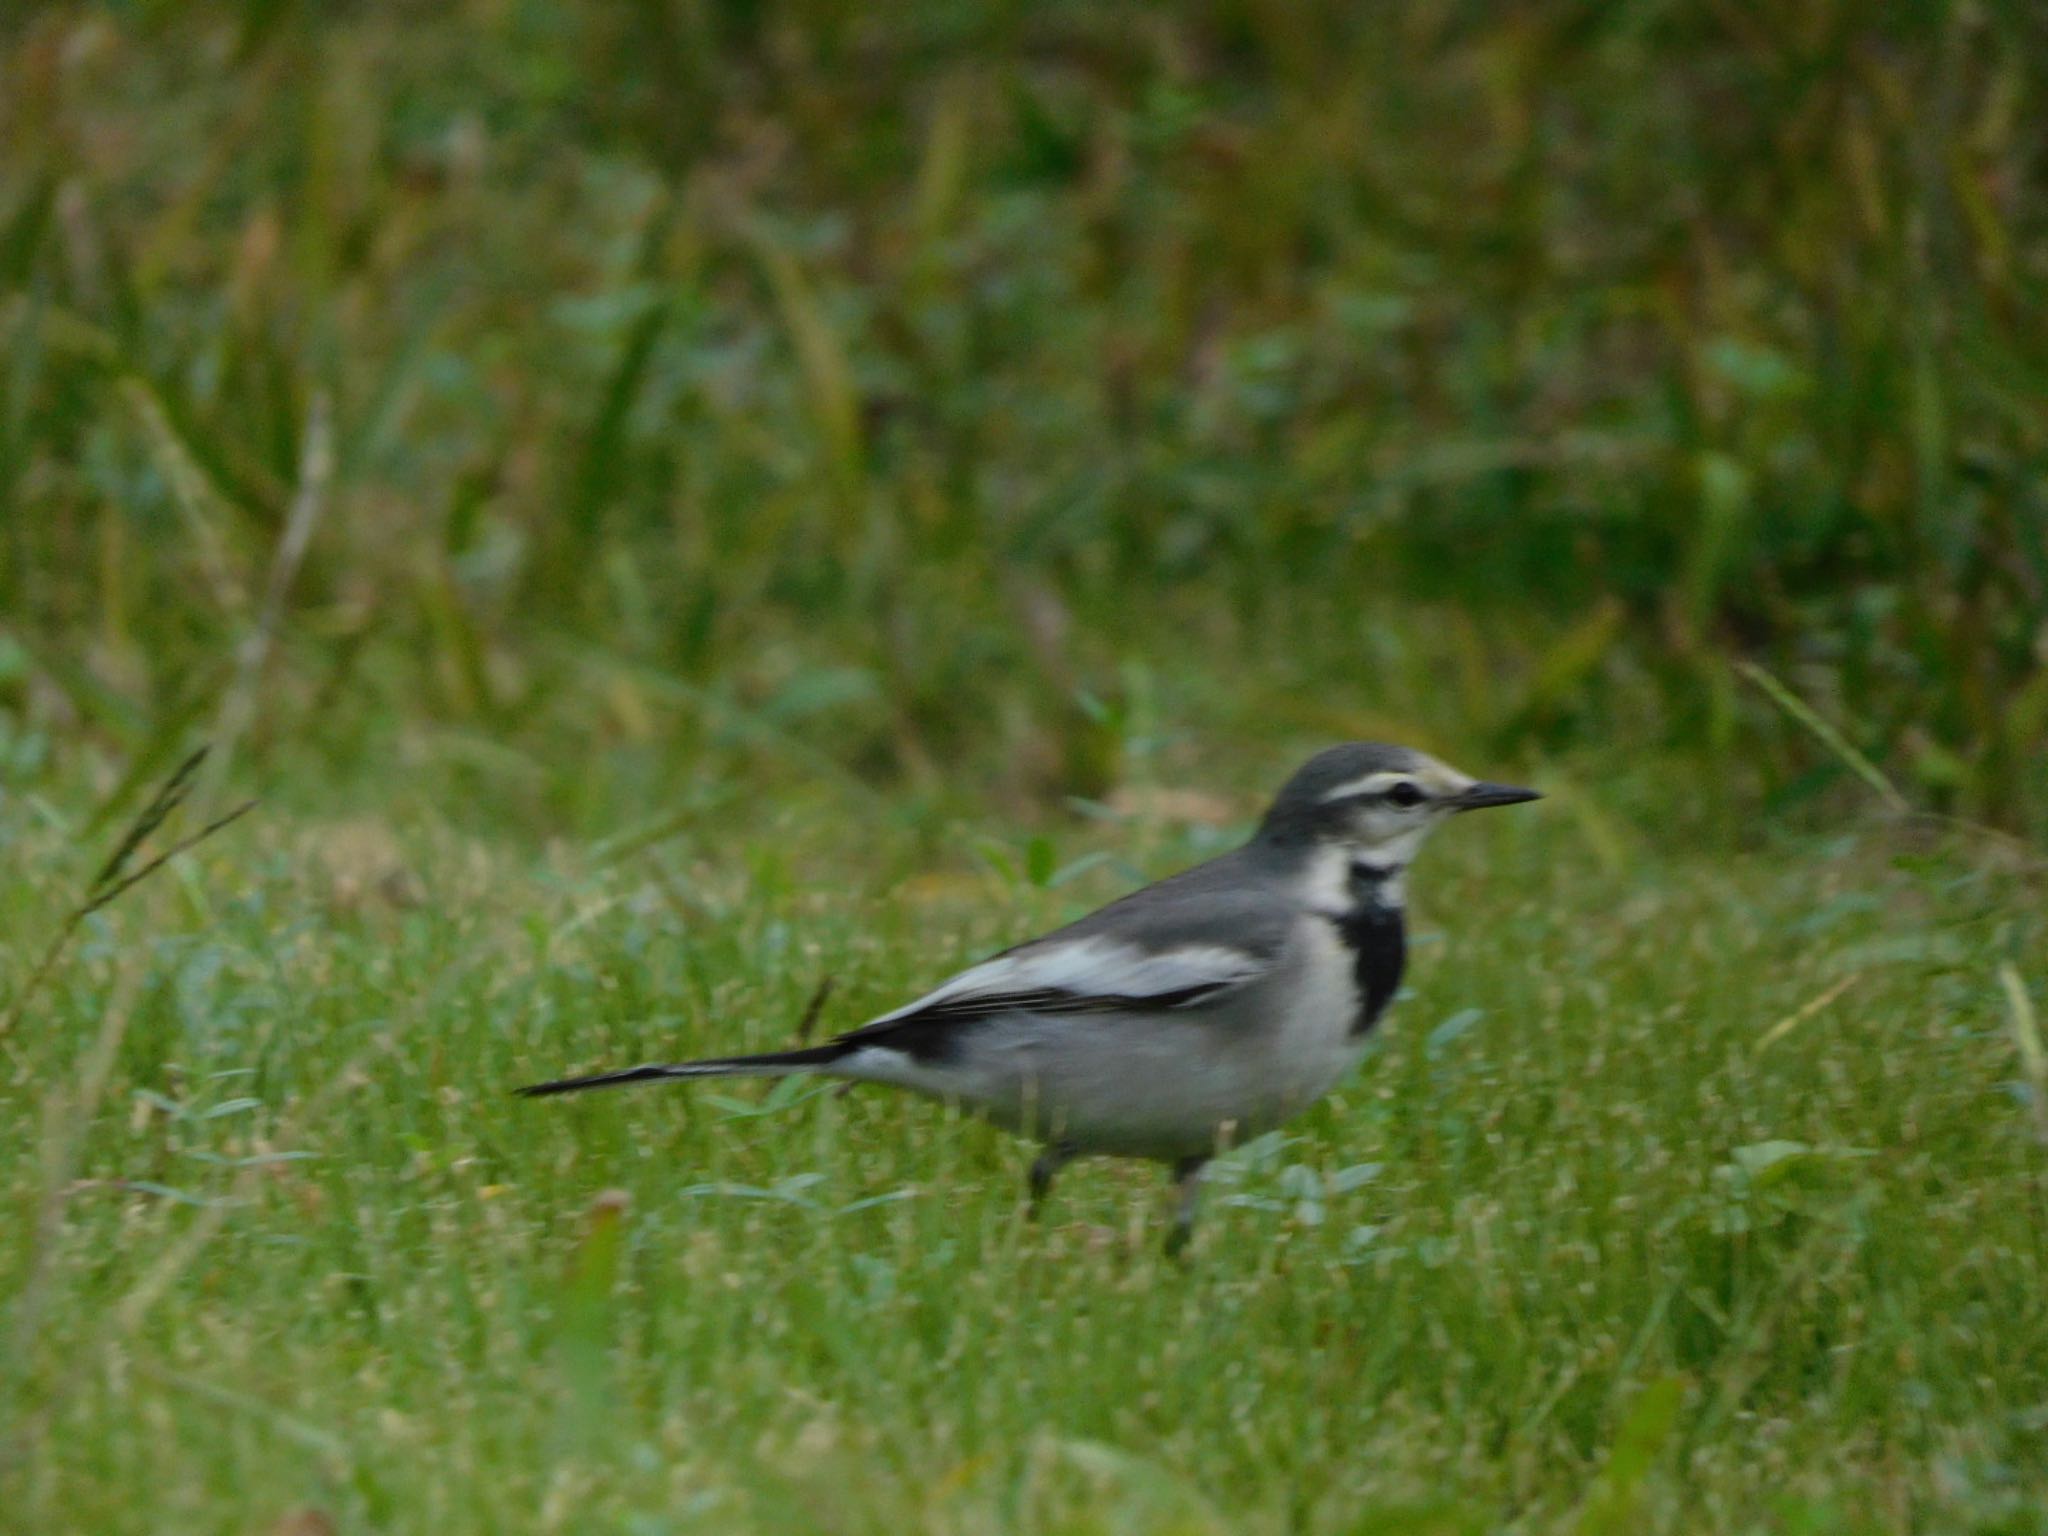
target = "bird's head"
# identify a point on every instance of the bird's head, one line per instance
(1376, 803)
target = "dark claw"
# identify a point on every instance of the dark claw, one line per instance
(1187, 1183)
(1038, 1183)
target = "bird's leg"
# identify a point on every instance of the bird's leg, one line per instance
(1187, 1184)
(1043, 1167)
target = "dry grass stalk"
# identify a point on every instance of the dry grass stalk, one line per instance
(115, 878)
(309, 505)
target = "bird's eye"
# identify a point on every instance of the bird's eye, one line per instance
(1405, 793)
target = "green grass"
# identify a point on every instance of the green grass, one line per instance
(699, 366)
(799, 481)
(1589, 1245)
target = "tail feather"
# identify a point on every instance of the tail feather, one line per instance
(769, 1064)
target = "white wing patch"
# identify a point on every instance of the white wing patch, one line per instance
(1081, 970)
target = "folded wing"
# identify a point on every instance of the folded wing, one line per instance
(1085, 976)
(1174, 950)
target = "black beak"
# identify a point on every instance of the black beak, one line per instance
(1480, 796)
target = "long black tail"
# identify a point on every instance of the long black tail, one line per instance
(771, 1064)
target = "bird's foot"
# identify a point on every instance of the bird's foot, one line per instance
(1038, 1183)
(1187, 1183)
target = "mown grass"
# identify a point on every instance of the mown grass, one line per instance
(668, 503)
(1597, 1241)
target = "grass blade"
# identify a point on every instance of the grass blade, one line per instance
(2026, 1034)
(1827, 735)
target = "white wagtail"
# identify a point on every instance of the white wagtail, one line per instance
(1188, 1015)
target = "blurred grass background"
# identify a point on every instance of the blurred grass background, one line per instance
(669, 501)
(932, 399)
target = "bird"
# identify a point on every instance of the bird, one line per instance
(1188, 1016)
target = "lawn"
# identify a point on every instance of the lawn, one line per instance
(1686, 1193)
(666, 504)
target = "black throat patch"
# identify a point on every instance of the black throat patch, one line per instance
(1373, 930)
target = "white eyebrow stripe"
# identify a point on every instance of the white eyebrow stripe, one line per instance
(1372, 783)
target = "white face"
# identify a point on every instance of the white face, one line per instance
(1386, 814)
